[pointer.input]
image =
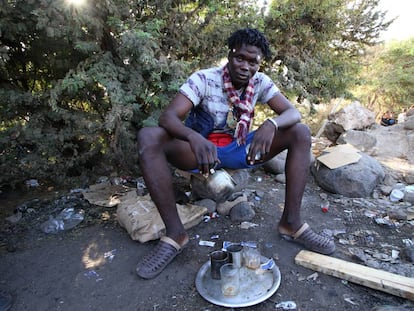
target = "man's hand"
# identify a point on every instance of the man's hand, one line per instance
(205, 152)
(261, 143)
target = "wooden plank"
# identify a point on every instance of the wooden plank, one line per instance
(394, 284)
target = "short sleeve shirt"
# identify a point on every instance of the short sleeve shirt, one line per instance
(206, 88)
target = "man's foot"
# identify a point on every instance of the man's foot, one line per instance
(5, 301)
(158, 259)
(310, 239)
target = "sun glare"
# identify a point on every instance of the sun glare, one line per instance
(77, 3)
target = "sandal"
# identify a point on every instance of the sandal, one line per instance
(156, 261)
(311, 240)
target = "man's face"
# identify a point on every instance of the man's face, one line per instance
(244, 62)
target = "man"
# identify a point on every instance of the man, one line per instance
(219, 103)
(388, 118)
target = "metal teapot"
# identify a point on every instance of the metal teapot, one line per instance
(218, 186)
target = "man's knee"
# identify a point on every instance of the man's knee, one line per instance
(149, 136)
(302, 133)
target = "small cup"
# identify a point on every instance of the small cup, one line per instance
(230, 280)
(218, 259)
(252, 258)
(236, 257)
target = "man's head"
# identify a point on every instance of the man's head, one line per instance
(247, 49)
(249, 36)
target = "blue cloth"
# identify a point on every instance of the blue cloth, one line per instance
(233, 156)
(200, 121)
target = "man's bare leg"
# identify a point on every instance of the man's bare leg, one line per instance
(297, 140)
(297, 172)
(155, 148)
(157, 175)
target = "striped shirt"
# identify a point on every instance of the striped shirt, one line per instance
(205, 87)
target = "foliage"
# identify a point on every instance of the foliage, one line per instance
(318, 43)
(392, 65)
(77, 82)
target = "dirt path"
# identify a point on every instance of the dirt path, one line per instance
(92, 267)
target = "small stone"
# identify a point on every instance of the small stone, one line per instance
(207, 203)
(242, 212)
(409, 253)
(224, 208)
(397, 215)
(281, 178)
(409, 195)
(241, 179)
(260, 193)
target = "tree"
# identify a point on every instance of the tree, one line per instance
(76, 82)
(318, 43)
(392, 65)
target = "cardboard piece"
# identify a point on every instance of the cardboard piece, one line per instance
(105, 194)
(341, 155)
(391, 283)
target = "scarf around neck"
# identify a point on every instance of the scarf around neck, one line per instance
(244, 110)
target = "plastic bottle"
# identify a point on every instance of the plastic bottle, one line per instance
(325, 206)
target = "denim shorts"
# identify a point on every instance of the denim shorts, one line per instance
(233, 156)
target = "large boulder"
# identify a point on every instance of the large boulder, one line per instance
(361, 140)
(351, 117)
(409, 123)
(354, 180)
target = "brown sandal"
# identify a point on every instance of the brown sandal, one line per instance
(158, 259)
(311, 240)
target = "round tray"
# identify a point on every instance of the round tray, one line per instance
(254, 287)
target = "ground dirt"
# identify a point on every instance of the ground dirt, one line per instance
(92, 267)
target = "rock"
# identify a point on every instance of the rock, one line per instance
(388, 182)
(259, 193)
(281, 178)
(409, 194)
(353, 180)
(390, 308)
(409, 123)
(391, 141)
(242, 212)
(409, 253)
(224, 208)
(385, 190)
(241, 178)
(207, 203)
(409, 177)
(390, 145)
(276, 165)
(359, 139)
(351, 117)
(397, 214)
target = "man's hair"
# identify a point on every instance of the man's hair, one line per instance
(250, 36)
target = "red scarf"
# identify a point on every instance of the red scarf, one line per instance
(244, 110)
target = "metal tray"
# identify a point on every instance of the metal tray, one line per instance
(254, 287)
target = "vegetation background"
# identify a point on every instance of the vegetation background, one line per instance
(78, 79)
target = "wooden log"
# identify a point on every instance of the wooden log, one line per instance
(394, 284)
